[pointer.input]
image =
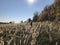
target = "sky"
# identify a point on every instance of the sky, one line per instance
(18, 10)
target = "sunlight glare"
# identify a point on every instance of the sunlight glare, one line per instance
(30, 1)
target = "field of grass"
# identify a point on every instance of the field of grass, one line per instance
(41, 33)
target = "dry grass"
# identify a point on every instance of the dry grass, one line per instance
(41, 33)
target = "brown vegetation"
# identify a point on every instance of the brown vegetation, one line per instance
(50, 13)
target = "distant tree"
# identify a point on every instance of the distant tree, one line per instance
(35, 17)
(29, 20)
(46, 8)
(11, 22)
(21, 21)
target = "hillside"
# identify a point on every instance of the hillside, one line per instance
(50, 13)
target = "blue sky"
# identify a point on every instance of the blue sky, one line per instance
(17, 10)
